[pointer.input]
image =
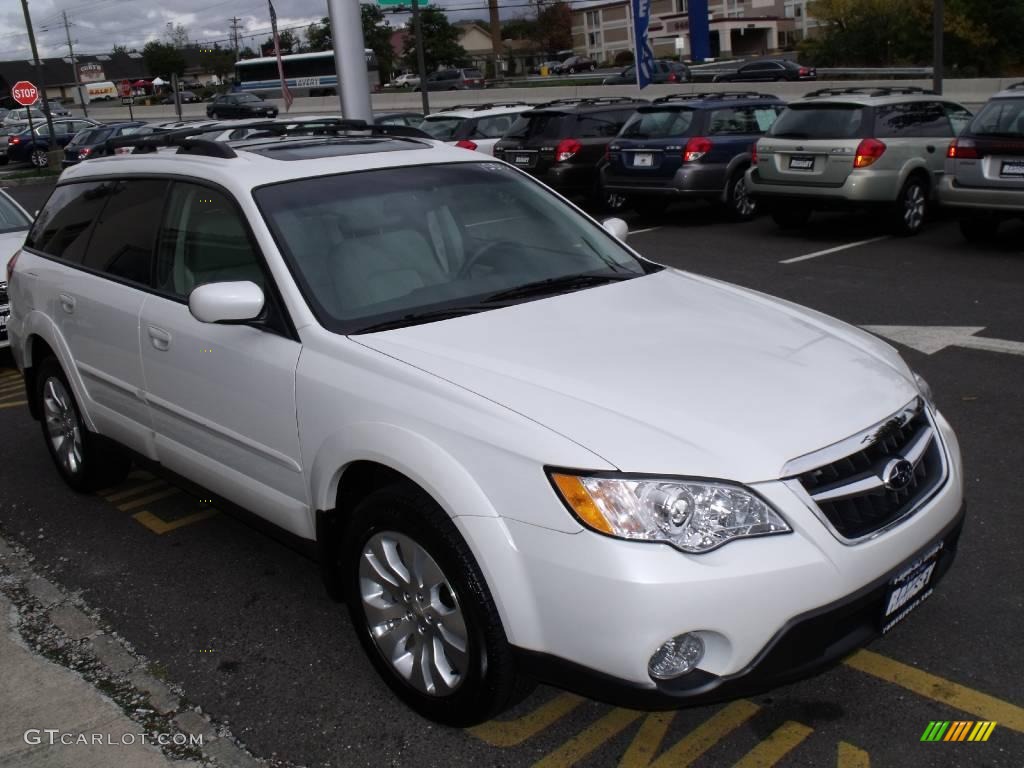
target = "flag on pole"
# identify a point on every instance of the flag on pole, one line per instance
(285, 92)
(643, 56)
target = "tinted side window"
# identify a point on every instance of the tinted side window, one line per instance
(493, 127)
(912, 120)
(741, 120)
(958, 116)
(203, 240)
(63, 227)
(123, 239)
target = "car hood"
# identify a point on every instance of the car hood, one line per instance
(669, 373)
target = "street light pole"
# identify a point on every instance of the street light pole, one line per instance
(937, 31)
(350, 59)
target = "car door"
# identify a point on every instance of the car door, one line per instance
(221, 396)
(99, 236)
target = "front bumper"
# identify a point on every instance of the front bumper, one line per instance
(983, 198)
(806, 645)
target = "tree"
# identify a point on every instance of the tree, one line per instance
(119, 50)
(319, 35)
(246, 53)
(289, 43)
(377, 35)
(163, 59)
(520, 28)
(221, 61)
(554, 27)
(177, 35)
(440, 42)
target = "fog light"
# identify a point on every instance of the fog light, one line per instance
(676, 657)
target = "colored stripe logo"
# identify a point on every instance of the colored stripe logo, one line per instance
(958, 730)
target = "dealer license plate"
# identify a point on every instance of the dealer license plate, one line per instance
(1014, 168)
(910, 588)
(801, 163)
(643, 160)
(521, 159)
(3, 322)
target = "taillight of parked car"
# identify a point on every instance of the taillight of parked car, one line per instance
(696, 148)
(868, 151)
(963, 149)
(466, 144)
(84, 153)
(10, 266)
(566, 149)
(14, 140)
(673, 77)
(753, 153)
(804, 72)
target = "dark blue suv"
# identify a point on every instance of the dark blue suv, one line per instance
(689, 146)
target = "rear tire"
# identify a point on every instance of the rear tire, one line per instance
(793, 217)
(422, 610)
(40, 158)
(911, 207)
(738, 202)
(86, 461)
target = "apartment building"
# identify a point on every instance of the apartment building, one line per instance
(738, 27)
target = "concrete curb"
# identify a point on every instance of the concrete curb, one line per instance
(56, 627)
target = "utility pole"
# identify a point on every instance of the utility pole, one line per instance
(39, 72)
(496, 45)
(74, 65)
(421, 64)
(236, 26)
(937, 30)
(350, 59)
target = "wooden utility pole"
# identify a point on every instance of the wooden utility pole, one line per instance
(40, 76)
(937, 31)
(74, 65)
(496, 46)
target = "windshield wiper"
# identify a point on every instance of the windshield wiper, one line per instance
(418, 318)
(553, 285)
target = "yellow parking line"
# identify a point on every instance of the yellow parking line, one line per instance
(706, 735)
(8, 375)
(12, 386)
(981, 705)
(783, 740)
(647, 742)
(509, 733)
(15, 403)
(15, 392)
(578, 747)
(158, 526)
(133, 490)
(852, 757)
(147, 499)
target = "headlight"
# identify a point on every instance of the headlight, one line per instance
(925, 389)
(693, 516)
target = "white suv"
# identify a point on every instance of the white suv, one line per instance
(474, 126)
(521, 450)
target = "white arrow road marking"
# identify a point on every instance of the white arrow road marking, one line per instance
(838, 248)
(934, 338)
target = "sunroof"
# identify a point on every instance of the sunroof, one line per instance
(332, 147)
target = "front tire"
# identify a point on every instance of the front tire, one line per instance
(85, 460)
(911, 207)
(422, 610)
(40, 158)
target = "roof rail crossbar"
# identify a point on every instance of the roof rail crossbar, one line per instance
(718, 95)
(591, 100)
(1014, 87)
(481, 107)
(868, 90)
(187, 143)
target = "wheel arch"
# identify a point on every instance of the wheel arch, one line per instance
(43, 339)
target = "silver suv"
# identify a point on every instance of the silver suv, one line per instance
(985, 166)
(856, 147)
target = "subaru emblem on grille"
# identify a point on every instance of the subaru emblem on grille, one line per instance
(898, 474)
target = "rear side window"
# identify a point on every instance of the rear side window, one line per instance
(915, 119)
(125, 233)
(819, 121)
(742, 121)
(528, 126)
(442, 128)
(493, 127)
(659, 124)
(63, 227)
(595, 125)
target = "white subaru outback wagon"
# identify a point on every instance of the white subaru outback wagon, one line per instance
(522, 451)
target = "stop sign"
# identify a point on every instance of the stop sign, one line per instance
(125, 89)
(25, 93)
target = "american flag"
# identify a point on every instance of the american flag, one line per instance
(285, 92)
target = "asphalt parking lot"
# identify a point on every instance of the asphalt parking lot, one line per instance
(243, 624)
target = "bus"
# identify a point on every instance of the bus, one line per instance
(307, 74)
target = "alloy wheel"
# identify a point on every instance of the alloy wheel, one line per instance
(40, 159)
(62, 425)
(413, 614)
(914, 204)
(742, 202)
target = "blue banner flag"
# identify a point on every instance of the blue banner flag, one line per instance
(643, 53)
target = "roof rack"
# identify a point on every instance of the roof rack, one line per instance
(481, 107)
(591, 100)
(868, 90)
(717, 95)
(188, 143)
(1015, 87)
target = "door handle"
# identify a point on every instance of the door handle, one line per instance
(930, 147)
(159, 338)
(67, 303)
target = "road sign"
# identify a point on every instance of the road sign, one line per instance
(127, 101)
(125, 87)
(25, 93)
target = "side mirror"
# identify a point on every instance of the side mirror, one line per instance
(617, 228)
(226, 302)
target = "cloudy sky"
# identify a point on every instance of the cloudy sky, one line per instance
(98, 25)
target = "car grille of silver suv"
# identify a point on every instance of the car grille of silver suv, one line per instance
(892, 471)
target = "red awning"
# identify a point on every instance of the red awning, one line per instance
(140, 84)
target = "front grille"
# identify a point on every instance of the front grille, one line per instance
(899, 467)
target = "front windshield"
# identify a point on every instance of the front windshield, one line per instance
(442, 128)
(1002, 117)
(386, 245)
(11, 218)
